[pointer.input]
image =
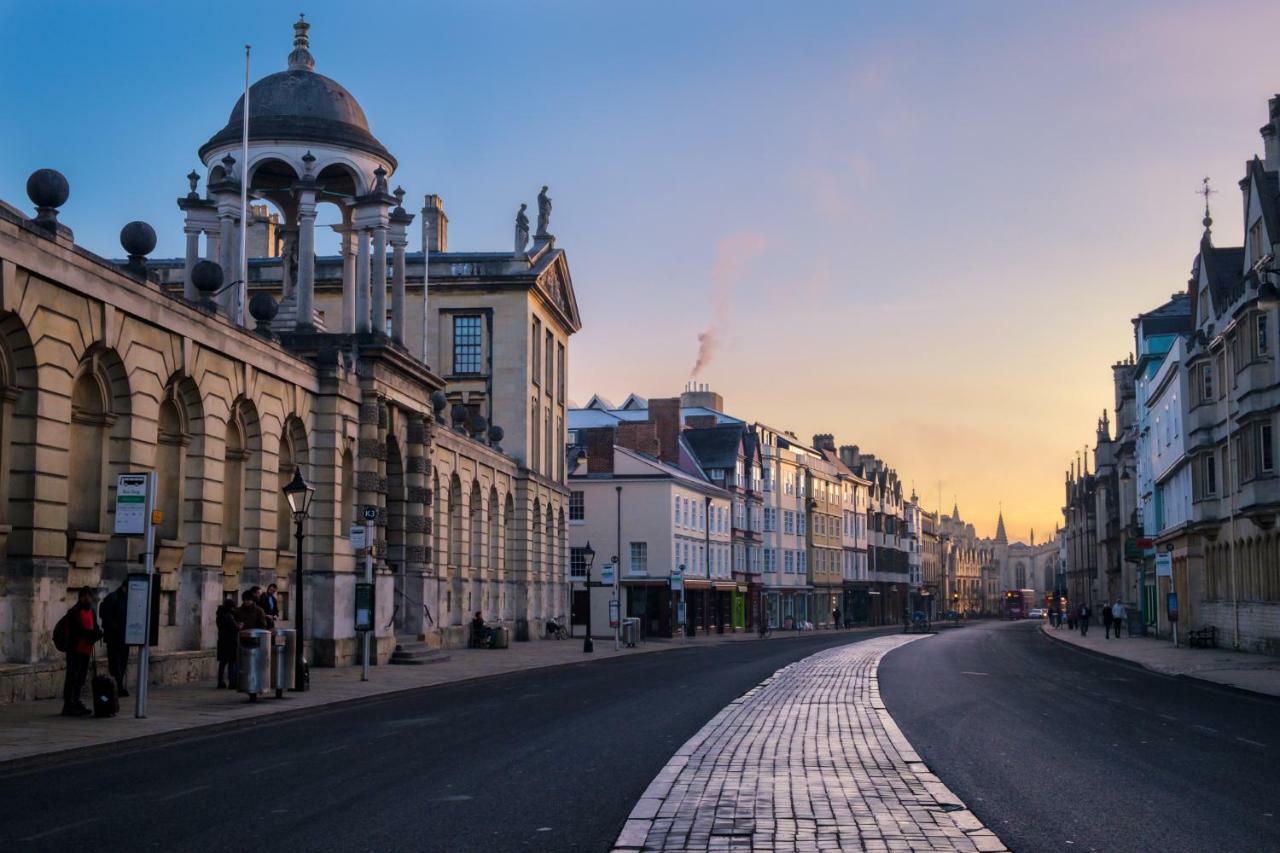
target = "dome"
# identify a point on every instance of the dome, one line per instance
(299, 105)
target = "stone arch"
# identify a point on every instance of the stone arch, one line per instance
(476, 514)
(179, 457)
(509, 557)
(455, 549)
(346, 492)
(438, 555)
(98, 445)
(293, 453)
(241, 475)
(19, 384)
(494, 570)
(548, 563)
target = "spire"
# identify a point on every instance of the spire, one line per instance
(301, 59)
(1001, 537)
(955, 509)
(1033, 537)
(1205, 191)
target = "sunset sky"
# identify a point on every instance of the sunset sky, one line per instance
(923, 228)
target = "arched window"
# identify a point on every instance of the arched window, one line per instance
(455, 523)
(535, 552)
(233, 476)
(533, 440)
(87, 453)
(508, 537)
(293, 454)
(347, 501)
(495, 566)
(437, 527)
(395, 505)
(477, 529)
(171, 441)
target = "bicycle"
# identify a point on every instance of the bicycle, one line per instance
(557, 630)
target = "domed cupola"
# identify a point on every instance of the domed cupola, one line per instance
(298, 105)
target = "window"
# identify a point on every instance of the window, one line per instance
(789, 562)
(767, 473)
(639, 558)
(788, 521)
(802, 562)
(802, 523)
(550, 383)
(676, 509)
(1266, 453)
(577, 506)
(578, 564)
(1210, 475)
(1260, 324)
(466, 344)
(1206, 383)
(560, 372)
(770, 519)
(535, 365)
(770, 560)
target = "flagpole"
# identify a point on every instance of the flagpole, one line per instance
(242, 292)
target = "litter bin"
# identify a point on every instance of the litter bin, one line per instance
(630, 631)
(284, 660)
(255, 662)
(522, 630)
(501, 637)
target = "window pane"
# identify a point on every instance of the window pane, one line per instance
(466, 344)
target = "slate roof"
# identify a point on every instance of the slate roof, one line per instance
(1268, 196)
(1222, 269)
(1172, 316)
(717, 446)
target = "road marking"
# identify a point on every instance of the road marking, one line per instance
(1250, 742)
(1207, 729)
(333, 749)
(453, 798)
(967, 672)
(1169, 718)
(269, 768)
(58, 829)
(177, 794)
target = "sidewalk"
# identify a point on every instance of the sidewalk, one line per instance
(32, 729)
(1241, 670)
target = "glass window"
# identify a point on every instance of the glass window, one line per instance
(1262, 333)
(535, 368)
(577, 506)
(639, 558)
(560, 372)
(550, 383)
(466, 344)
(578, 564)
(1266, 455)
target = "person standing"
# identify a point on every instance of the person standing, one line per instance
(835, 618)
(114, 612)
(270, 602)
(249, 614)
(81, 632)
(1118, 614)
(1106, 622)
(228, 631)
(1083, 618)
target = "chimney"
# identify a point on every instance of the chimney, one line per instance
(701, 421)
(700, 394)
(598, 442)
(435, 226)
(824, 441)
(640, 436)
(665, 414)
(1271, 136)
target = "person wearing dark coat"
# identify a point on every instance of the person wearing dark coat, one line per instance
(113, 612)
(270, 603)
(228, 632)
(82, 633)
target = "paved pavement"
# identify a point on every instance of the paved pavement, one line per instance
(1256, 673)
(32, 729)
(1056, 749)
(808, 760)
(550, 759)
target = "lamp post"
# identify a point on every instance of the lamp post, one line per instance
(589, 555)
(299, 494)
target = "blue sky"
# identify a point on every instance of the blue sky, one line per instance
(921, 226)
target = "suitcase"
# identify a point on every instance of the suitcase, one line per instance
(105, 701)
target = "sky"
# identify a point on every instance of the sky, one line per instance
(923, 227)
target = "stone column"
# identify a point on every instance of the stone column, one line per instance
(362, 280)
(398, 244)
(347, 248)
(213, 245)
(306, 260)
(229, 258)
(193, 255)
(416, 525)
(378, 281)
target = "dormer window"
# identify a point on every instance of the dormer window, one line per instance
(1256, 244)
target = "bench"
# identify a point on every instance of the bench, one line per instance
(1205, 638)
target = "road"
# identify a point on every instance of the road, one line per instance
(1056, 749)
(549, 760)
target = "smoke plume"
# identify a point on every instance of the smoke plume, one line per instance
(733, 253)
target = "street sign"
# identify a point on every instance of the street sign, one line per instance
(364, 606)
(677, 580)
(135, 618)
(680, 614)
(607, 574)
(371, 513)
(131, 505)
(613, 613)
(1172, 606)
(357, 537)
(1164, 565)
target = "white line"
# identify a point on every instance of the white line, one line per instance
(1207, 729)
(1250, 742)
(58, 829)
(333, 749)
(270, 767)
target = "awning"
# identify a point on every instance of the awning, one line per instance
(645, 582)
(724, 586)
(696, 583)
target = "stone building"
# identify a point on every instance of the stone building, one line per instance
(144, 365)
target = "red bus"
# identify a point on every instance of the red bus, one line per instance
(1016, 603)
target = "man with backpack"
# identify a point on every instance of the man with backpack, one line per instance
(75, 634)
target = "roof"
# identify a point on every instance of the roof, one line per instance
(1268, 196)
(717, 446)
(1222, 270)
(1173, 316)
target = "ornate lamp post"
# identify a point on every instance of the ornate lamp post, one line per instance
(589, 556)
(299, 494)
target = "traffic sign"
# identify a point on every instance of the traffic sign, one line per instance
(357, 537)
(131, 505)
(677, 580)
(371, 513)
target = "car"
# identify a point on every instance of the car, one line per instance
(1037, 613)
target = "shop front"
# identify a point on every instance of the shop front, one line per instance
(650, 601)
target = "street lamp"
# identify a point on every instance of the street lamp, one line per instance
(588, 555)
(299, 494)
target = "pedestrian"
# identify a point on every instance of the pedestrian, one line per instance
(835, 618)
(76, 633)
(1107, 619)
(1083, 619)
(1071, 618)
(249, 614)
(228, 632)
(113, 612)
(1118, 614)
(270, 602)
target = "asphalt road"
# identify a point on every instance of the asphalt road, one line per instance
(549, 760)
(1056, 749)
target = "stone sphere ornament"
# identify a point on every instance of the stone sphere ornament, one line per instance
(48, 188)
(263, 308)
(138, 239)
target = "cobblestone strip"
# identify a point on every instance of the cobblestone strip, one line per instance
(807, 760)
